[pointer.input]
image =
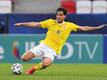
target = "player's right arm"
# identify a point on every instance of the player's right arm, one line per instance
(28, 24)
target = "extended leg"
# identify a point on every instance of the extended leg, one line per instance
(27, 56)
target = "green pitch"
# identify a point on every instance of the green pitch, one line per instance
(58, 72)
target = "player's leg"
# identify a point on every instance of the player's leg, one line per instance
(33, 52)
(46, 61)
(44, 64)
(48, 55)
(28, 56)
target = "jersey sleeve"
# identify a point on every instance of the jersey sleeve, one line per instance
(45, 23)
(74, 27)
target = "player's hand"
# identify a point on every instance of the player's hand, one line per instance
(18, 24)
(101, 26)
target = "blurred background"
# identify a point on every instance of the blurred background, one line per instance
(82, 47)
(84, 55)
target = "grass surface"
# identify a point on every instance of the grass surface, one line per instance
(58, 72)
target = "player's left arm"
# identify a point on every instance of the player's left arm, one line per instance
(89, 28)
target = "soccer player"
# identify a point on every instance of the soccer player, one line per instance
(57, 34)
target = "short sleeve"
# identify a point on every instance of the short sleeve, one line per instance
(74, 27)
(45, 23)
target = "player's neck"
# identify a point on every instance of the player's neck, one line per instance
(60, 22)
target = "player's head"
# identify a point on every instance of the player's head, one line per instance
(61, 15)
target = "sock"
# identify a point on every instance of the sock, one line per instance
(38, 66)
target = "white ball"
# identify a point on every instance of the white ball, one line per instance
(17, 69)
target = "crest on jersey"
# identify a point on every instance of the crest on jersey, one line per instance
(58, 32)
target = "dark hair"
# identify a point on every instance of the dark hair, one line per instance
(63, 10)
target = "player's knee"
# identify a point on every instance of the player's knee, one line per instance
(24, 58)
(46, 63)
(27, 56)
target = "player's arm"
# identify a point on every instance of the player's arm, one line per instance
(28, 24)
(88, 28)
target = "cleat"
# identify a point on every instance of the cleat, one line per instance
(31, 70)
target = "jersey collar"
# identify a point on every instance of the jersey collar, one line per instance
(60, 23)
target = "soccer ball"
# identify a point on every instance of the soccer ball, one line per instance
(17, 69)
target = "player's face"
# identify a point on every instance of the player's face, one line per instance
(60, 16)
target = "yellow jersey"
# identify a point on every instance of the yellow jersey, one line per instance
(57, 33)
